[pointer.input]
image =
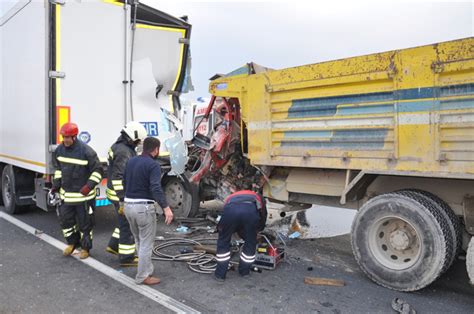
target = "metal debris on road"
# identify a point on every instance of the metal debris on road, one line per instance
(182, 229)
(401, 306)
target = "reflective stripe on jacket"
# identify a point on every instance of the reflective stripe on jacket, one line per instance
(76, 166)
(119, 154)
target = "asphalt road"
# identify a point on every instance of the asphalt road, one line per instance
(35, 277)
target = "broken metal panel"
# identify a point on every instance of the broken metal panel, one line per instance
(161, 46)
(276, 187)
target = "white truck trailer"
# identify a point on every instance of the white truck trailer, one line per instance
(99, 64)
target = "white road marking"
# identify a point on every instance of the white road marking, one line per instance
(146, 291)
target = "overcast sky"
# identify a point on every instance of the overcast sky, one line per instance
(227, 34)
(279, 34)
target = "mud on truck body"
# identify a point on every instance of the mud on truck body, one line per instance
(388, 134)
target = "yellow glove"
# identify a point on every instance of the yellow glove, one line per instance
(120, 209)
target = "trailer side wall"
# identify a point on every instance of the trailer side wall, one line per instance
(24, 115)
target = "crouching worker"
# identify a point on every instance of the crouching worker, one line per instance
(142, 180)
(244, 212)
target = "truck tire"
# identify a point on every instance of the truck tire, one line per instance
(182, 196)
(400, 241)
(9, 191)
(450, 219)
(470, 261)
(1, 172)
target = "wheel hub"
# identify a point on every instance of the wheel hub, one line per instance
(174, 195)
(395, 243)
(400, 240)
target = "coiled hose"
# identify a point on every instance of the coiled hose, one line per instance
(199, 261)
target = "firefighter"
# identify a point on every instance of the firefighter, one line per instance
(121, 242)
(245, 212)
(77, 172)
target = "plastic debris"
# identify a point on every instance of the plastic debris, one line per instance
(294, 235)
(255, 269)
(186, 250)
(182, 229)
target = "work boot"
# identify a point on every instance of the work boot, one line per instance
(219, 279)
(69, 249)
(150, 280)
(111, 250)
(130, 263)
(84, 254)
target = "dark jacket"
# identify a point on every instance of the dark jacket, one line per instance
(251, 196)
(142, 180)
(120, 152)
(76, 166)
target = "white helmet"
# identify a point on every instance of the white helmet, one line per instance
(135, 130)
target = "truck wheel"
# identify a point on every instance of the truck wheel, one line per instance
(1, 193)
(182, 196)
(399, 241)
(9, 191)
(470, 261)
(453, 225)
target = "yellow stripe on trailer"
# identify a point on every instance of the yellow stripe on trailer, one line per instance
(114, 2)
(57, 82)
(23, 160)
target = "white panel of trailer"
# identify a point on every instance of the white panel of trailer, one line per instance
(93, 60)
(23, 71)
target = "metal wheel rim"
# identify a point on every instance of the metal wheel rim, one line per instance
(395, 242)
(176, 197)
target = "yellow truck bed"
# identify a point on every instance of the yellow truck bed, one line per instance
(409, 110)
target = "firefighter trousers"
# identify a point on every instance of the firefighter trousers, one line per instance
(239, 217)
(77, 221)
(122, 240)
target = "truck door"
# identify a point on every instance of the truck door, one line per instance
(88, 70)
(89, 63)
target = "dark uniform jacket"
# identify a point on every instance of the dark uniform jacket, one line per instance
(76, 166)
(251, 196)
(142, 180)
(119, 154)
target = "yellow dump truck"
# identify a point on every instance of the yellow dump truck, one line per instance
(390, 134)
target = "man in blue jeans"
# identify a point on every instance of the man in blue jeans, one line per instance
(142, 181)
(245, 212)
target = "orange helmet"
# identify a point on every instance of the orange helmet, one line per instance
(69, 129)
